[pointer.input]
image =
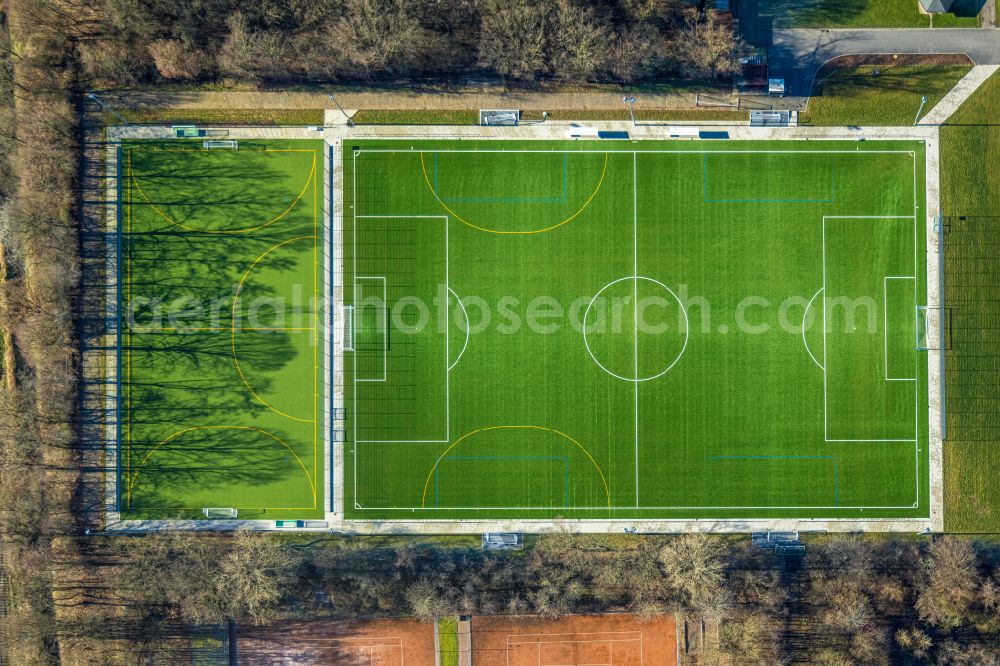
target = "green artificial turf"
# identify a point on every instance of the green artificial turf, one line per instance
(221, 282)
(518, 347)
(856, 96)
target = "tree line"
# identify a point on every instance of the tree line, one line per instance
(138, 41)
(849, 600)
(39, 273)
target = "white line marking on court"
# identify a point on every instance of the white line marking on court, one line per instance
(804, 343)
(826, 428)
(839, 507)
(467, 327)
(687, 328)
(635, 313)
(385, 333)
(885, 328)
(355, 380)
(651, 152)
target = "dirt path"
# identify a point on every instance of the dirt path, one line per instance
(538, 101)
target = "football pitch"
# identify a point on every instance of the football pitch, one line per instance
(220, 361)
(630, 330)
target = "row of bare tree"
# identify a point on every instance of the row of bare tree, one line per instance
(848, 600)
(322, 40)
(38, 465)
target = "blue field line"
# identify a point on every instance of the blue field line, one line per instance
(561, 199)
(437, 469)
(706, 199)
(836, 466)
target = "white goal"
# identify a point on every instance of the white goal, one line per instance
(499, 116)
(225, 143)
(219, 512)
(349, 327)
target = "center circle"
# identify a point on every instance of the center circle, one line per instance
(635, 328)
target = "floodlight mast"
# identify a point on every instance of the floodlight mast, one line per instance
(923, 102)
(334, 100)
(104, 107)
(630, 102)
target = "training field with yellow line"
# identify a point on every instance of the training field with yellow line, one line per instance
(220, 338)
(633, 330)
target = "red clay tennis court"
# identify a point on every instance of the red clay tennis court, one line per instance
(575, 640)
(345, 643)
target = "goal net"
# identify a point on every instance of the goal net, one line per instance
(225, 143)
(499, 116)
(219, 512)
(349, 327)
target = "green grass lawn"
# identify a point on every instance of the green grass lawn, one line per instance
(970, 189)
(221, 372)
(635, 330)
(220, 116)
(448, 641)
(855, 96)
(862, 14)
(471, 117)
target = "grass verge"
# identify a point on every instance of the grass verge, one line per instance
(220, 116)
(471, 117)
(860, 96)
(448, 641)
(970, 190)
(864, 14)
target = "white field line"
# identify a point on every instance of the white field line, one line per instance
(602, 508)
(885, 328)
(651, 152)
(635, 313)
(447, 354)
(385, 333)
(826, 427)
(916, 385)
(804, 343)
(465, 345)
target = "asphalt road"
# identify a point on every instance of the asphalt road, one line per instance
(795, 55)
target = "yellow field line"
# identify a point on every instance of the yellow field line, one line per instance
(171, 220)
(177, 434)
(593, 194)
(236, 300)
(315, 341)
(607, 490)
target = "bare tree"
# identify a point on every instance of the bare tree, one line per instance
(707, 49)
(693, 565)
(377, 35)
(248, 53)
(580, 42)
(950, 583)
(915, 641)
(253, 574)
(634, 54)
(512, 38)
(176, 60)
(645, 10)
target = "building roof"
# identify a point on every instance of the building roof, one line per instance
(936, 6)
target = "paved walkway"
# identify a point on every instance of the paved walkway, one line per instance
(957, 96)
(796, 55)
